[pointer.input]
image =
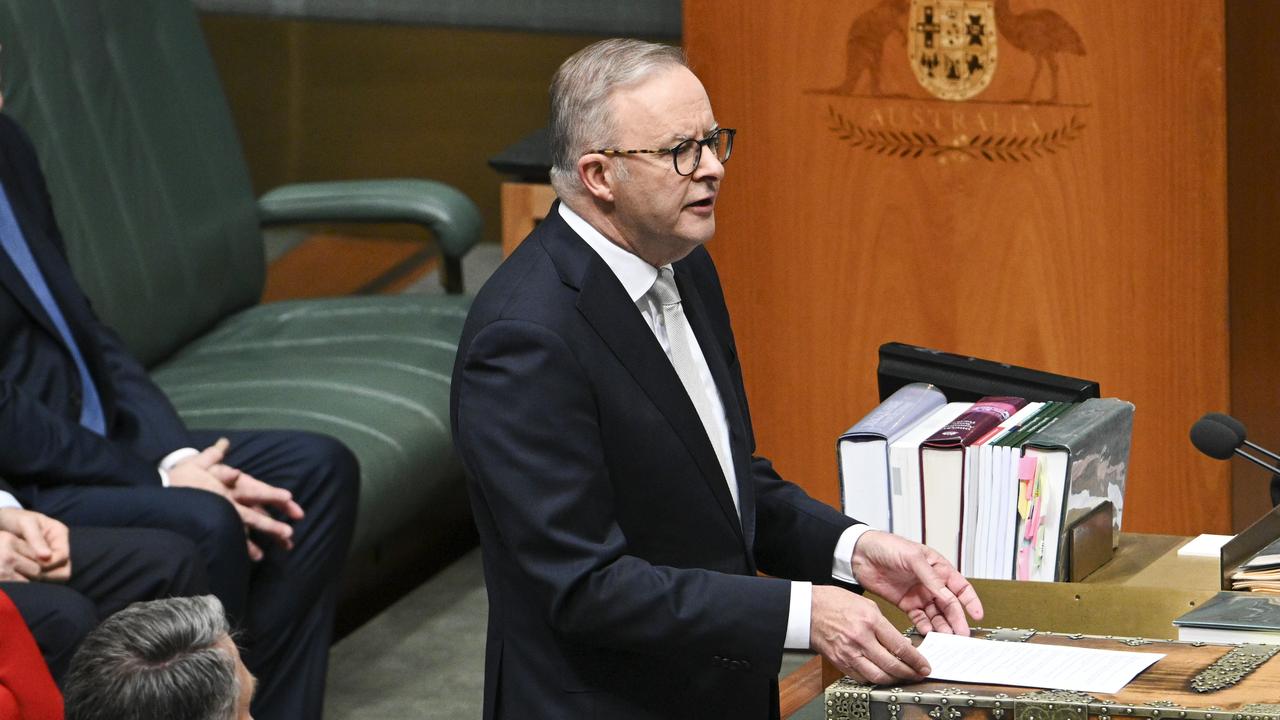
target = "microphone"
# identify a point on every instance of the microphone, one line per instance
(1220, 436)
(1214, 438)
(1238, 427)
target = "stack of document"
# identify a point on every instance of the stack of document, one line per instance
(1260, 573)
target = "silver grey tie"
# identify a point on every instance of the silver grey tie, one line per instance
(678, 334)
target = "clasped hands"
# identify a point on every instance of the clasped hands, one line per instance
(252, 498)
(33, 547)
(850, 631)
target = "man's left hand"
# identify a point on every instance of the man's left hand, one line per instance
(252, 498)
(933, 594)
(248, 491)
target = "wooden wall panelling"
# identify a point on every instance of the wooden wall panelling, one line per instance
(323, 100)
(1253, 116)
(1098, 249)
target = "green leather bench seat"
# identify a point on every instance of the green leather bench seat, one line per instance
(150, 188)
(372, 372)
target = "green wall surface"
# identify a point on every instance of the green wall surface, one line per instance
(322, 100)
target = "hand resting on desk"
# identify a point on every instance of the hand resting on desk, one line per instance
(850, 631)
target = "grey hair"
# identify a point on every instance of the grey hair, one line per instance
(581, 98)
(156, 659)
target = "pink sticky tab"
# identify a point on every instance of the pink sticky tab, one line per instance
(1024, 563)
(1027, 467)
(1034, 526)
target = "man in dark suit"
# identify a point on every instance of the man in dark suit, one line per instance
(64, 581)
(599, 409)
(87, 438)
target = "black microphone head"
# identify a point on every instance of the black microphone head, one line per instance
(1236, 426)
(1215, 439)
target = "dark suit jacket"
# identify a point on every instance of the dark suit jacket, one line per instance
(621, 583)
(41, 440)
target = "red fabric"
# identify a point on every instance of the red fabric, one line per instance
(27, 691)
(8, 705)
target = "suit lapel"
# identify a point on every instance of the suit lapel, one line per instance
(10, 276)
(77, 314)
(17, 286)
(604, 304)
(57, 274)
(714, 352)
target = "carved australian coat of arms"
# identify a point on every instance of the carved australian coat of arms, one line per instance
(957, 109)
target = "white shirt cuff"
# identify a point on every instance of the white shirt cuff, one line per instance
(9, 501)
(177, 456)
(842, 561)
(798, 616)
(173, 458)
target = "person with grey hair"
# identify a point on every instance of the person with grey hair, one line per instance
(598, 407)
(173, 659)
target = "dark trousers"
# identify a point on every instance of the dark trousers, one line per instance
(283, 605)
(110, 568)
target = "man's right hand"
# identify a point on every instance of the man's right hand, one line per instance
(205, 471)
(33, 547)
(850, 631)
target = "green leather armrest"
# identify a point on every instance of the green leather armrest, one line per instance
(451, 216)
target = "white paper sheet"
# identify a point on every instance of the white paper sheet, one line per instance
(1204, 546)
(965, 659)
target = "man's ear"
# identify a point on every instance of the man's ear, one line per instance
(597, 175)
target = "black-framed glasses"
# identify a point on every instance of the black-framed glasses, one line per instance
(686, 155)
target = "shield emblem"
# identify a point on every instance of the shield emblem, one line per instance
(952, 46)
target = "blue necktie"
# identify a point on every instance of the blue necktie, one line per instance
(11, 238)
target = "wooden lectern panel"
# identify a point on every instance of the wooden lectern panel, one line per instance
(1069, 215)
(524, 205)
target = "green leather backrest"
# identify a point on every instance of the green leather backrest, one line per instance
(147, 175)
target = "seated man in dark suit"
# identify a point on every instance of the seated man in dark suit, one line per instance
(86, 437)
(599, 409)
(64, 581)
